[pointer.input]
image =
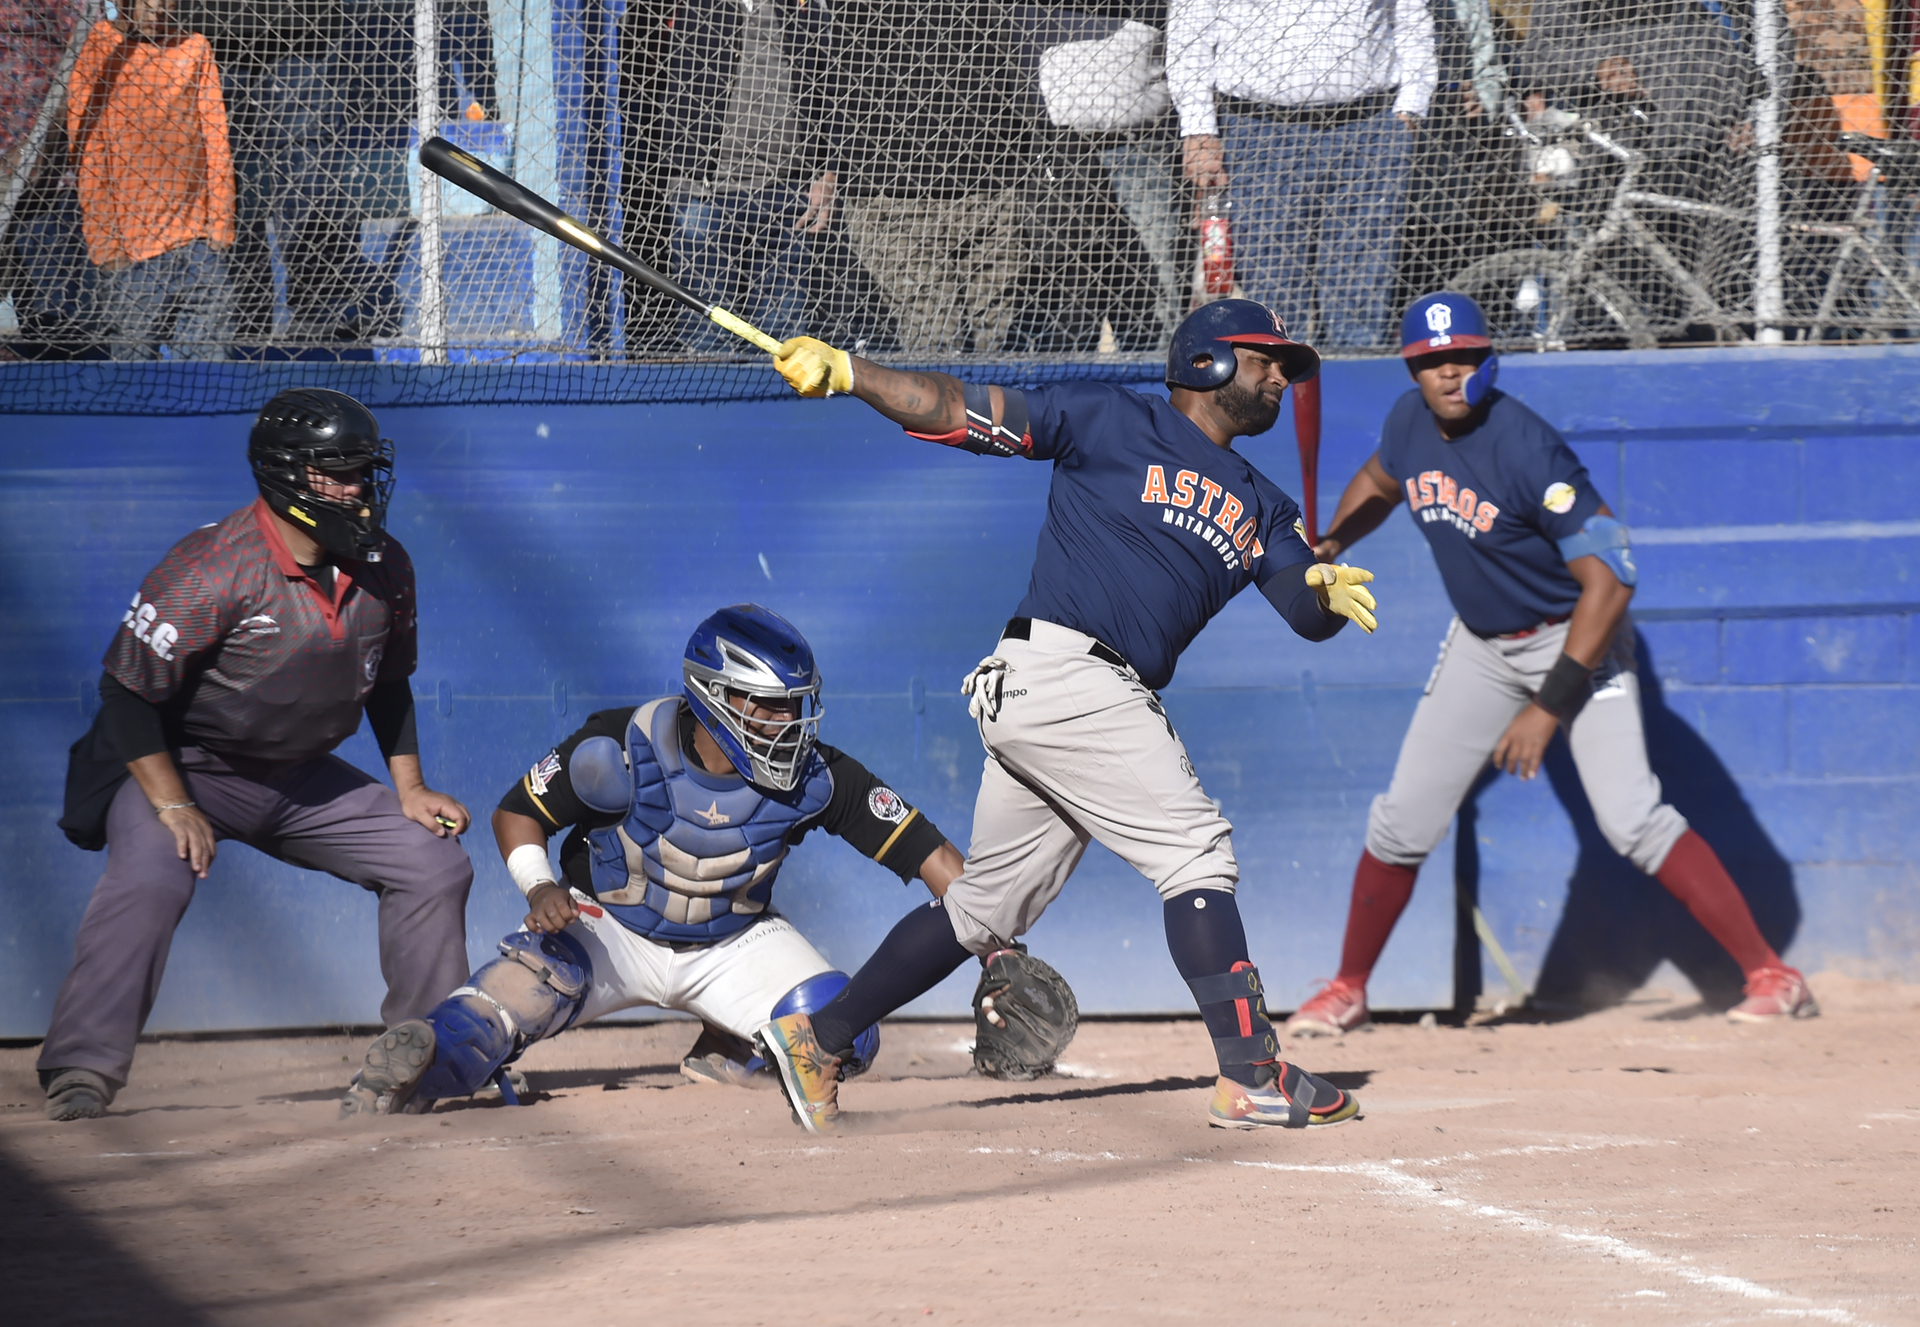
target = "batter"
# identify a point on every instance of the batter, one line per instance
(1153, 523)
(1540, 575)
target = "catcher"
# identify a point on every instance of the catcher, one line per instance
(668, 902)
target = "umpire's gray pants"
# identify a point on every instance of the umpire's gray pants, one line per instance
(322, 814)
(1080, 750)
(1476, 689)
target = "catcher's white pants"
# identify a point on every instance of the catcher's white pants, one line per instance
(733, 984)
(1078, 750)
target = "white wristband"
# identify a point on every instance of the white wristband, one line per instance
(529, 867)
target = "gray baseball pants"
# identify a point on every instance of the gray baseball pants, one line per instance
(322, 814)
(1476, 689)
(1079, 750)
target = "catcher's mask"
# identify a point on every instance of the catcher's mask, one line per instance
(754, 652)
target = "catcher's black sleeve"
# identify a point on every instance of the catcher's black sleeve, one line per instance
(545, 793)
(876, 819)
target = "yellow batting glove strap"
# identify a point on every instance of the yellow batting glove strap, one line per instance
(814, 368)
(1342, 590)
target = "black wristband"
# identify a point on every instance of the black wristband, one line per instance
(1569, 683)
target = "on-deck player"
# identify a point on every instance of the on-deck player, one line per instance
(248, 655)
(679, 814)
(1540, 575)
(1153, 523)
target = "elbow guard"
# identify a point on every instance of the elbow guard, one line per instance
(1607, 539)
(981, 435)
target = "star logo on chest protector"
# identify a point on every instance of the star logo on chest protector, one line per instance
(713, 815)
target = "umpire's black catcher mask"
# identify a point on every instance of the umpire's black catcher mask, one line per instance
(331, 432)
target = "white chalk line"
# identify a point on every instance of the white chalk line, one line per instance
(1409, 1187)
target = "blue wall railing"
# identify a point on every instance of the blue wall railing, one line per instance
(564, 552)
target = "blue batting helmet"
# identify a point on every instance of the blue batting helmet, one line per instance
(1447, 320)
(1201, 356)
(756, 652)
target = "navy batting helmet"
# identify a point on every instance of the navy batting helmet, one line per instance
(1445, 321)
(1201, 356)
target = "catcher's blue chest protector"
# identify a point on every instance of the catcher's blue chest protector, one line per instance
(695, 858)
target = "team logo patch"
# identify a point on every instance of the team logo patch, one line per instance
(372, 665)
(1559, 498)
(541, 775)
(1300, 528)
(886, 805)
(1439, 319)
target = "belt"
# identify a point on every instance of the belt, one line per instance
(1533, 631)
(1021, 628)
(1314, 117)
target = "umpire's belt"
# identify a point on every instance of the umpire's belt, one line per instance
(1021, 628)
(1313, 117)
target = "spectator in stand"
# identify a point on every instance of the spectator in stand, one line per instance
(743, 113)
(1306, 111)
(148, 130)
(936, 146)
(43, 267)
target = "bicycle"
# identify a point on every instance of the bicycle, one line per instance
(1550, 299)
(1894, 170)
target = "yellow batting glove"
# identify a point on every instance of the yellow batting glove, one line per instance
(1342, 590)
(814, 368)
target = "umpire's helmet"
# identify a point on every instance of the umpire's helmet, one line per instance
(331, 432)
(1201, 356)
(756, 652)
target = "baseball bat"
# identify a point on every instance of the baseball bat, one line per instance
(516, 200)
(1306, 431)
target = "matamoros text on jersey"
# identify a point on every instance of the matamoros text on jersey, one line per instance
(1230, 537)
(1436, 496)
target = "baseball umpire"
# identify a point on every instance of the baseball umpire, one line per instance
(1540, 574)
(248, 655)
(1153, 523)
(679, 815)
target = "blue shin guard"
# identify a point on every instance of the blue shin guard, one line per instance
(534, 990)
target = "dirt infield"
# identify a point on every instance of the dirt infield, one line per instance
(1652, 1164)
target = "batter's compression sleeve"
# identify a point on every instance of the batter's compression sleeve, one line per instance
(545, 793)
(1299, 603)
(876, 819)
(132, 726)
(390, 715)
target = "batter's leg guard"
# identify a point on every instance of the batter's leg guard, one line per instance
(1256, 1088)
(1234, 1007)
(534, 990)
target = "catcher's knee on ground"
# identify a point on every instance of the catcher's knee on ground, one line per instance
(534, 990)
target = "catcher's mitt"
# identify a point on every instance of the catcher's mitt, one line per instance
(1024, 1014)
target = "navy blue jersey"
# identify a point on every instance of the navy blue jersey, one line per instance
(1151, 528)
(1493, 504)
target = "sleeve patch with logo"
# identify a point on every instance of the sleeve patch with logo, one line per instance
(1559, 498)
(542, 774)
(886, 805)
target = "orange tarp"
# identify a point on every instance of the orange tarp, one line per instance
(156, 172)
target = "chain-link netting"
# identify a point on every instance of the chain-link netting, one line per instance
(965, 182)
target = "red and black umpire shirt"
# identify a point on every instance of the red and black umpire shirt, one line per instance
(248, 656)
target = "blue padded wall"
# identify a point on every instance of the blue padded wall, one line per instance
(565, 551)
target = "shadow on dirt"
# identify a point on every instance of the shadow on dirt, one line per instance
(58, 1267)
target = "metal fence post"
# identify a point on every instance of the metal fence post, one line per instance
(1769, 301)
(433, 305)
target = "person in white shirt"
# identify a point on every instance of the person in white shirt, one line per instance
(1304, 111)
